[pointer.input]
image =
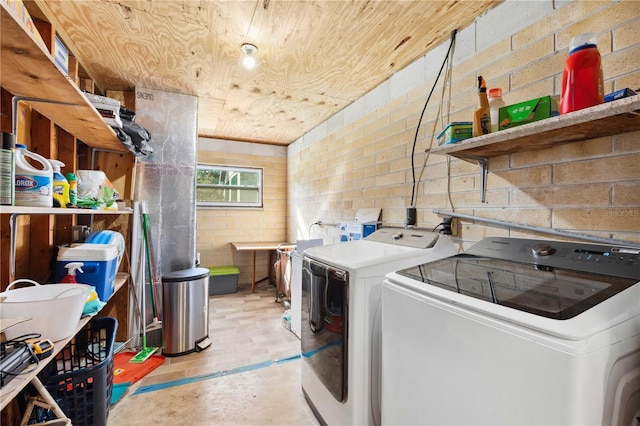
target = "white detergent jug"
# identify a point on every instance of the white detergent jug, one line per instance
(33, 186)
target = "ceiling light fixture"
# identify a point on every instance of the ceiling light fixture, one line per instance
(249, 50)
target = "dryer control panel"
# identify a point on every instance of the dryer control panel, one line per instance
(416, 238)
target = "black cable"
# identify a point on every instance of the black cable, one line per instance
(436, 227)
(415, 139)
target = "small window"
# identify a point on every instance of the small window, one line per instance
(223, 186)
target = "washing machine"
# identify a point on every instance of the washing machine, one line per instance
(340, 330)
(514, 331)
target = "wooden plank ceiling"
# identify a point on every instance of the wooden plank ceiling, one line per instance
(314, 57)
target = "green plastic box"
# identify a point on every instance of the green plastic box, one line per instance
(527, 112)
(455, 132)
(223, 280)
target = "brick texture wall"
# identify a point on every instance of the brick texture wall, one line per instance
(217, 228)
(361, 157)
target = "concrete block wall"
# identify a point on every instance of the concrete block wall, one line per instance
(217, 228)
(361, 157)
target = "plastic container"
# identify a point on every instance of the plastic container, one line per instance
(223, 280)
(73, 188)
(99, 269)
(7, 170)
(582, 81)
(495, 103)
(60, 184)
(455, 132)
(33, 186)
(112, 238)
(54, 309)
(482, 115)
(81, 381)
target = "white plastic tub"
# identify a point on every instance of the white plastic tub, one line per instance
(54, 309)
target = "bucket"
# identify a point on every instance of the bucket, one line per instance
(33, 186)
(54, 309)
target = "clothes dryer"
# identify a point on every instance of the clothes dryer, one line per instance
(340, 336)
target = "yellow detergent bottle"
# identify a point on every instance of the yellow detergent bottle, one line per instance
(60, 184)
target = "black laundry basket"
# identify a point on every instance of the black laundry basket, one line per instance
(80, 379)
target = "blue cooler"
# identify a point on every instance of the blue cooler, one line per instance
(108, 237)
(99, 266)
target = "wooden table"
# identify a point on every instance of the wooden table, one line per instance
(260, 245)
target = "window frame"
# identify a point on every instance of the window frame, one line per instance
(227, 204)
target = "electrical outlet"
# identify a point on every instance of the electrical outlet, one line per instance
(410, 217)
(446, 226)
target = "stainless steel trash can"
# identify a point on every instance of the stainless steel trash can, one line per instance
(185, 307)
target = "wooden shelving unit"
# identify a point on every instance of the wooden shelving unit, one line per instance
(620, 116)
(14, 387)
(56, 211)
(29, 71)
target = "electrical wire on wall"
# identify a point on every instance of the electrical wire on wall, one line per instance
(447, 60)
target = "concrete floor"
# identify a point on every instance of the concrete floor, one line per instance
(250, 375)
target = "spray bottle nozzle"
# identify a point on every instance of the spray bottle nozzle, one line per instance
(57, 165)
(71, 272)
(73, 267)
(482, 85)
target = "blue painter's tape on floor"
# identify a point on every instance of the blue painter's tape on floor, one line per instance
(311, 353)
(215, 375)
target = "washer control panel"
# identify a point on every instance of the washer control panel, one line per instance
(604, 259)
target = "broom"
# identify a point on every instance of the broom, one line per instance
(146, 352)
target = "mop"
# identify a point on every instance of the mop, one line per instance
(146, 352)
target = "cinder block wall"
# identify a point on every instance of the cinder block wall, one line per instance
(217, 227)
(361, 157)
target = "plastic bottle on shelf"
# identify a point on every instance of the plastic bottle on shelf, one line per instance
(482, 117)
(72, 267)
(495, 103)
(33, 186)
(73, 188)
(60, 184)
(582, 82)
(7, 169)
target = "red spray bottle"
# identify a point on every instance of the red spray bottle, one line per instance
(71, 272)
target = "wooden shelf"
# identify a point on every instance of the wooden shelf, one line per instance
(57, 211)
(28, 70)
(611, 118)
(11, 390)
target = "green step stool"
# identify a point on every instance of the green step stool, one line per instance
(223, 280)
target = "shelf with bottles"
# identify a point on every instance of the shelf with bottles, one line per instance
(611, 118)
(608, 119)
(30, 73)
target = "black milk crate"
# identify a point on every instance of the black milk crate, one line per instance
(80, 379)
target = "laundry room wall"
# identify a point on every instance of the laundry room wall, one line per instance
(217, 228)
(361, 157)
